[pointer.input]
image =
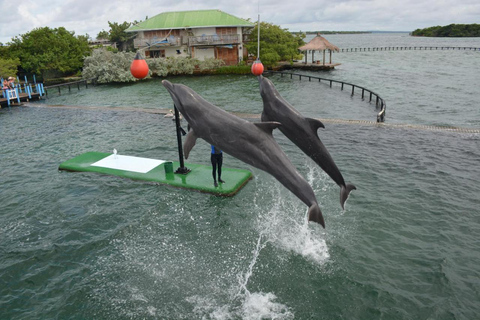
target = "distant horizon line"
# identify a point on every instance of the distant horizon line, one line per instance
(350, 31)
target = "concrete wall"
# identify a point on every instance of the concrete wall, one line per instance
(201, 54)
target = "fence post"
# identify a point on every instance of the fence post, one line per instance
(18, 94)
(28, 91)
(7, 94)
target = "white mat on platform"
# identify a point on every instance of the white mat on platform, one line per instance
(128, 163)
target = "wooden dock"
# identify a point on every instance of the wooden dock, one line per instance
(23, 97)
(306, 66)
(31, 92)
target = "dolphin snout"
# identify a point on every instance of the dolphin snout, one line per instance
(167, 84)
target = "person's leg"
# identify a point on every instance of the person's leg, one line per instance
(213, 159)
(220, 162)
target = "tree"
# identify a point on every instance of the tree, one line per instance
(103, 35)
(276, 44)
(452, 30)
(46, 51)
(9, 67)
(117, 34)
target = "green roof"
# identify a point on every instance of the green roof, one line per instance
(190, 19)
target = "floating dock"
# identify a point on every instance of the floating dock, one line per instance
(159, 171)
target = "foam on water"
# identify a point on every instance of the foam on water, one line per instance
(243, 303)
(286, 226)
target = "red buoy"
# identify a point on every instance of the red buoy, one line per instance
(139, 67)
(257, 68)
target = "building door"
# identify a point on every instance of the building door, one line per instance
(230, 56)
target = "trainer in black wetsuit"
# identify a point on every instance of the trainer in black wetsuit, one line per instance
(217, 160)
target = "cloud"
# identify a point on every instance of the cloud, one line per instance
(91, 16)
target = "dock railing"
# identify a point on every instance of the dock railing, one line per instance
(400, 48)
(372, 96)
(21, 92)
(69, 85)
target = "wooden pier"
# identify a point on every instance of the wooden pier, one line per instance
(29, 92)
(69, 85)
(397, 48)
(22, 97)
(306, 66)
(21, 93)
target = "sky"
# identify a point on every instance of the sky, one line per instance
(18, 17)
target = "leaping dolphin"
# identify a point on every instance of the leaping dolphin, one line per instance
(249, 142)
(301, 131)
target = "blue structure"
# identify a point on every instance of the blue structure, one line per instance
(20, 92)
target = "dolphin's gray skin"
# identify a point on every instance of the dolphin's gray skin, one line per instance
(301, 131)
(249, 142)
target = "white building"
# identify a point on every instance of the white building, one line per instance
(198, 34)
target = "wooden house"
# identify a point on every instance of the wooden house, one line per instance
(198, 34)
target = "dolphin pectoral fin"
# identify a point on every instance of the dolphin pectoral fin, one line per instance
(344, 192)
(190, 140)
(315, 124)
(267, 126)
(315, 215)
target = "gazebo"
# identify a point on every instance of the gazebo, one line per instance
(319, 43)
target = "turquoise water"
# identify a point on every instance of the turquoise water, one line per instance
(87, 246)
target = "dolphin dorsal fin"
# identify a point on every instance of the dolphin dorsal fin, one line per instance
(315, 124)
(267, 126)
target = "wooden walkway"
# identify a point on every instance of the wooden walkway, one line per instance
(407, 48)
(306, 66)
(23, 97)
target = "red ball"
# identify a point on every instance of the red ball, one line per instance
(139, 67)
(257, 68)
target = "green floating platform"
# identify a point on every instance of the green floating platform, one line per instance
(160, 171)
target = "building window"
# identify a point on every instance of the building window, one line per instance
(157, 54)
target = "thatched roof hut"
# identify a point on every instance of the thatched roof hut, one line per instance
(319, 43)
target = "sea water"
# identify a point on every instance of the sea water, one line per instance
(89, 246)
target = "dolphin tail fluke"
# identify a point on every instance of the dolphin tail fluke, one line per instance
(190, 140)
(315, 215)
(344, 192)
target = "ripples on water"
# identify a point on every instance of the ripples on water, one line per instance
(88, 246)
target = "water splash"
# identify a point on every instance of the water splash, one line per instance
(287, 228)
(284, 227)
(243, 278)
(243, 303)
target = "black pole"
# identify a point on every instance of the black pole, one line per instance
(182, 169)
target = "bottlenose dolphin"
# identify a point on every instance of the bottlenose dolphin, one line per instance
(301, 131)
(249, 142)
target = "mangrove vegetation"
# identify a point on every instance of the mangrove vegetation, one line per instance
(452, 30)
